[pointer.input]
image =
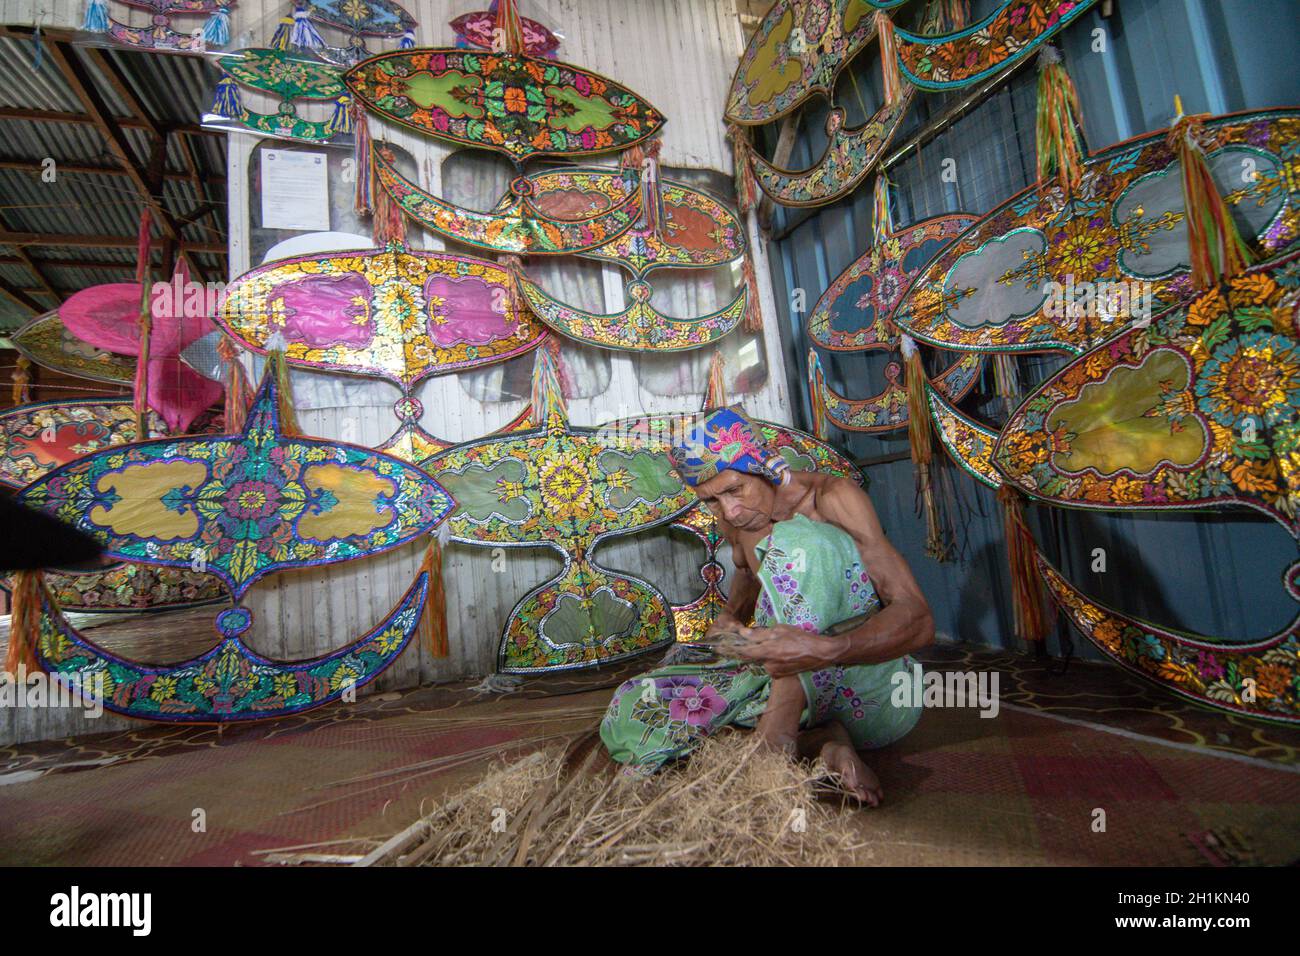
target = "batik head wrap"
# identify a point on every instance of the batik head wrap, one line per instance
(720, 439)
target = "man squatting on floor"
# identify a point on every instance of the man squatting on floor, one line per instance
(809, 553)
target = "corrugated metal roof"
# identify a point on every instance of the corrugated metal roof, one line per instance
(78, 200)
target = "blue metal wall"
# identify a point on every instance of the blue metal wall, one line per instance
(1217, 575)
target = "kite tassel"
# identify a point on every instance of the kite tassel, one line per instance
(342, 120)
(364, 161)
(435, 602)
(1217, 250)
(715, 394)
(22, 377)
(1059, 141)
(96, 18)
(280, 38)
(753, 320)
(303, 33)
(288, 412)
(239, 392)
(407, 42)
(509, 31)
(882, 218)
(817, 397)
(953, 16)
(937, 543)
(746, 184)
(548, 404)
(24, 624)
(388, 223)
(1029, 610)
(216, 31)
(892, 79)
(226, 101)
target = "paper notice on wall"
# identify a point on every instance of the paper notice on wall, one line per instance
(295, 190)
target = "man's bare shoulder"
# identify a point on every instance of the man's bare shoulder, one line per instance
(835, 493)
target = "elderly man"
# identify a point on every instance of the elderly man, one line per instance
(809, 554)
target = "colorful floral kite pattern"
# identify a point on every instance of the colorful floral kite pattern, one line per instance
(47, 342)
(850, 155)
(797, 51)
(230, 682)
(242, 506)
(969, 443)
(887, 411)
(396, 314)
(581, 209)
(130, 588)
(638, 328)
(856, 311)
(1015, 29)
(569, 489)
(507, 102)
(36, 439)
(1259, 678)
(159, 35)
(1199, 410)
(1046, 272)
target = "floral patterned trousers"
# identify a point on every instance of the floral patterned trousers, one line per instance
(811, 576)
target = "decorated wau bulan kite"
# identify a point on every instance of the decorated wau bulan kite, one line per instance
(240, 507)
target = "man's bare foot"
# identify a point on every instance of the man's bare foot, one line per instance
(853, 775)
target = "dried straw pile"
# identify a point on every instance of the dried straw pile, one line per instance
(731, 804)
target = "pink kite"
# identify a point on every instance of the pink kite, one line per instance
(107, 317)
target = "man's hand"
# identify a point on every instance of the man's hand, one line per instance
(725, 623)
(783, 649)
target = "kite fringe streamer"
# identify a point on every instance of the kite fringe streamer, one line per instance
(407, 42)
(1006, 379)
(548, 402)
(96, 18)
(1059, 140)
(435, 602)
(715, 393)
(364, 160)
(388, 222)
(893, 81)
(226, 101)
(24, 624)
(746, 184)
(275, 347)
(950, 16)
(22, 377)
(216, 31)
(882, 218)
(937, 542)
(1218, 252)
(1028, 606)
(816, 397)
(342, 120)
(509, 27)
(280, 38)
(239, 392)
(303, 33)
(753, 320)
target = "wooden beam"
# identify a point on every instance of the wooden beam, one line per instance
(90, 169)
(111, 242)
(83, 87)
(82, 119)
(56, 263)
(20, 297)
